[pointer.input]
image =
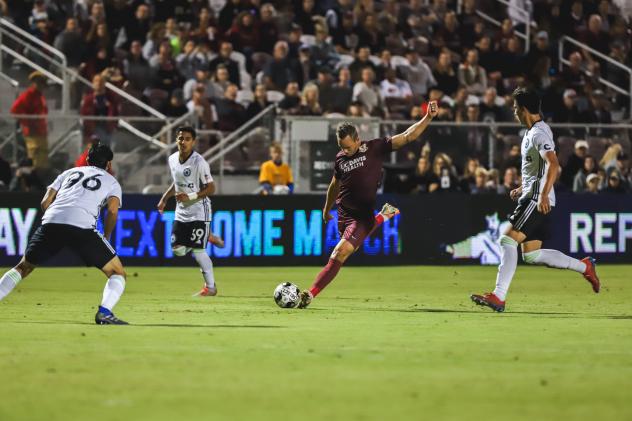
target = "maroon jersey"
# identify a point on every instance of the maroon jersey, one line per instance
(360, 175)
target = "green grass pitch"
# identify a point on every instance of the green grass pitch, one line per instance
(388, 343)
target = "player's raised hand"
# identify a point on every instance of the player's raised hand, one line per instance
(544, 206)
(433, 109)
(327, 216)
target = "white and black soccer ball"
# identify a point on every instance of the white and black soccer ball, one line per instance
(286, 295)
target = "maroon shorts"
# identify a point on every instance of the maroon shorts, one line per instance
(355, 229)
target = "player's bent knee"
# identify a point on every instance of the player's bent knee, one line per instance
(506, 240)
(180, 250)
(531, 257)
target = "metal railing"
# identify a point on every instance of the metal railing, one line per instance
(524, 17)
(11, 31)
(563, 61)
(8, 29)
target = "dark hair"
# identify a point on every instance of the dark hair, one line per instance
(99, 155)
(527, 98)
(345, 129)
(187, 129)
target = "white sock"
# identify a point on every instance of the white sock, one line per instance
(8, 281)
(112, 292)
(206, 267)
(507, 267)
(554, 259)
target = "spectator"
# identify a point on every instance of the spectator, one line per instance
(275, 176)
(345, 39)
(27, 178)
(569, 113)
(136, 69)
(480, 182)
(595, 36)
(34, 129)
(540, 50)
(489, 108)
(384, 64)
(137, 28)
(98, 103)
(98, 38)
(615, 183)
(592, 183)
(244, 34)
(201, 79)
(230, 114)
(356, 109)
(510, 181)
(447, 36)
(191, 60)
(472, 75)
(573, 74)
(221, 80)
(323, 52)
(599, 113)
(445, 75)
(201, 106)
(310, 104)
(574, 163)
(370, 35)
(341, 91)
(361, 61)
(292, 99)
(268, 28)
(418, 75)
(305, 17)
(277, 73)
(306, 70)
(260, 103)
(367, 93)
(230, 11)
(325, 89)
(225, 50)
(176, 106)
(71, 43)
(166, 76)
(444, 179)
(396, 93)
(5, 174)
(423, 176)
(468, 180)
(580, 180)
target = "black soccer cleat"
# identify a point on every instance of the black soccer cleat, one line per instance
(108, 319)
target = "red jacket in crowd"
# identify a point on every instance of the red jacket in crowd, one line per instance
(32, 102)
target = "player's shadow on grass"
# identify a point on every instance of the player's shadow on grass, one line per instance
(569, 315)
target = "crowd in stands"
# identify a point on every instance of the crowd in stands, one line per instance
(227, 60)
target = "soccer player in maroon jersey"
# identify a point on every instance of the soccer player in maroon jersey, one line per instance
(353, 188)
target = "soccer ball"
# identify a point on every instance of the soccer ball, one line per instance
(286, 295)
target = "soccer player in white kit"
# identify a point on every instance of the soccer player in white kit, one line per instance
(536, 198)
(71, 205)
(192, 185)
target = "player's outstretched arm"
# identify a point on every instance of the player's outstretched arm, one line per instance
(171, 191)
(48, 199)
(414, 131)
(112, 215)
(332, 193)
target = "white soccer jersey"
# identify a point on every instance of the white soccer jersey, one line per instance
(537, 141)
(190, 177)
(81, 193)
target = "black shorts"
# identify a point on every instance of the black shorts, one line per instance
(528, 220)
(50, 239)
(190, 234)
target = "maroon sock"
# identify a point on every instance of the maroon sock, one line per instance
(325, 276)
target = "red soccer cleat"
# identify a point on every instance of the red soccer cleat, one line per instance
(591, 274)
(206, 292)
(489, 300)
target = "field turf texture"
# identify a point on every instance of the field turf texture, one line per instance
(387, 343)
